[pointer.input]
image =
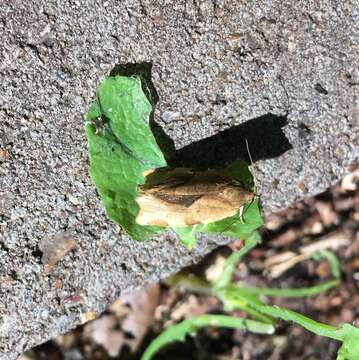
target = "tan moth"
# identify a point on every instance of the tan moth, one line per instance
(183, 197)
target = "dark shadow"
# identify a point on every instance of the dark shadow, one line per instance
(264, 134)
(144, 71)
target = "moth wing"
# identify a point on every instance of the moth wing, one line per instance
(209, 209)
(154, 211)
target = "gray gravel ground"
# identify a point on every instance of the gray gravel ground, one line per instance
(216, 65)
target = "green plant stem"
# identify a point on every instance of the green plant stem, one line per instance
(292, 293)
(234, 258)
(332, 260)
(309, 324)
(179, 331)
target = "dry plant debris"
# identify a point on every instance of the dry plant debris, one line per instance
(55, 248)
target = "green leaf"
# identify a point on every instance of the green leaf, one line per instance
(236, 226)
(123, 102)
(187, 235)
(189, 327)
(121, 147)
(239, 170)
(347, 334)
(350, 347)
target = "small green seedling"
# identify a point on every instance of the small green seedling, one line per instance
(247, 299)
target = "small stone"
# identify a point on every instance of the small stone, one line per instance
(291, 45)
(302, 187)
(74, 200)
(4, 154)
(58, 283)
(169, 116)
(234, 36)
(6, 203)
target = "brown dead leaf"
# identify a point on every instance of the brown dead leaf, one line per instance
(55, 248)
(286, 237)
(66, 341)
(327, 213)
(128, 321)
(344, 204)
(191, 306)
(185, 309)
(142, 304)
(167, 302)
(280, 263)
(274, 221)
(182, 197)
(104, 332)
(214, 271)
(351, 181)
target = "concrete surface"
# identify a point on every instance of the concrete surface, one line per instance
(293, 65)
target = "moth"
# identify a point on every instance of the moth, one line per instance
(178, 197)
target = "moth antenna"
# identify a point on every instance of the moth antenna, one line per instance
(250, 158)
(249, 153)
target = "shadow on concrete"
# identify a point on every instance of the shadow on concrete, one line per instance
(264, 134)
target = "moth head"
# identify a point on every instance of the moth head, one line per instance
(249, 196)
